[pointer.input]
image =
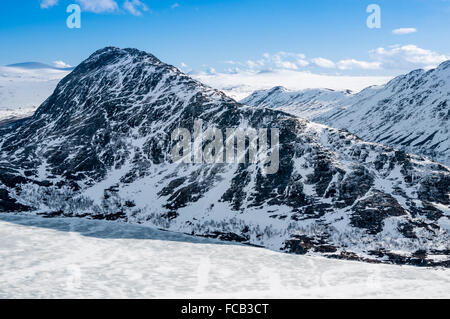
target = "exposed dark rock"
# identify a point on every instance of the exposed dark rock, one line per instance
(369, 213)
(355, 185)
(8, 204)
(227, 237)
(301, 245)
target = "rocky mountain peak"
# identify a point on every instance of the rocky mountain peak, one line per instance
(112, 79)
(101, 147)
(109, 54)
(444, 65)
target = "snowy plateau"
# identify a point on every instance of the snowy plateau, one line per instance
(95, 161)
(25, 86)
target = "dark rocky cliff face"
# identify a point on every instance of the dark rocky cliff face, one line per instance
(100, 147)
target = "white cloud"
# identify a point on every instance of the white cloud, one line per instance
(48, 3)
(323, 63)
(61, 64)
(402, 31)
(252, 64)
(286, 65)
(211, 71)
(407, 57)
(287, 60)
(392, 60)
(281, 60)
(351, 64)
(175, 5)
(135, 7)
(99, 6)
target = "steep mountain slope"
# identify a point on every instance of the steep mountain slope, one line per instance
(100, 147)
(411, 112)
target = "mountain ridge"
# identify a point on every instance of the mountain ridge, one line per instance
(100, 147)
(411, 112)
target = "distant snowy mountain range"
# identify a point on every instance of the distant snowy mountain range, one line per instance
(38, 66)
(100, 147)
(411, 112)
(25, 86)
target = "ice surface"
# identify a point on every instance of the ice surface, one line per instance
(77, 258)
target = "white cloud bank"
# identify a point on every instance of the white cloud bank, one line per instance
(61, 64)
(48, 3)
(407, 57)
(396, 57)
(351, 64)
(280, 61)
(99, 6)
(241, 84)
(135, 7)
(402, 31)
(324, 63)
(295, 71)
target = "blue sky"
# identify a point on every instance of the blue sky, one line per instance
(322, 36)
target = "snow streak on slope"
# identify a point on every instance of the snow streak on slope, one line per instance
(23, 90)
(75, 258)
(411, 112)
(100, 147)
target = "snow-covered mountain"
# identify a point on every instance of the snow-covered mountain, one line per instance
(307, 103)
(411, 112)
(100, 147)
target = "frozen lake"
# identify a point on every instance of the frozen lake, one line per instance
(76, 258)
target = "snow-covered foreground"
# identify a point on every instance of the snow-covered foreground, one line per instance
(76, 258)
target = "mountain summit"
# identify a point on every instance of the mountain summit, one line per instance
(101, 147)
